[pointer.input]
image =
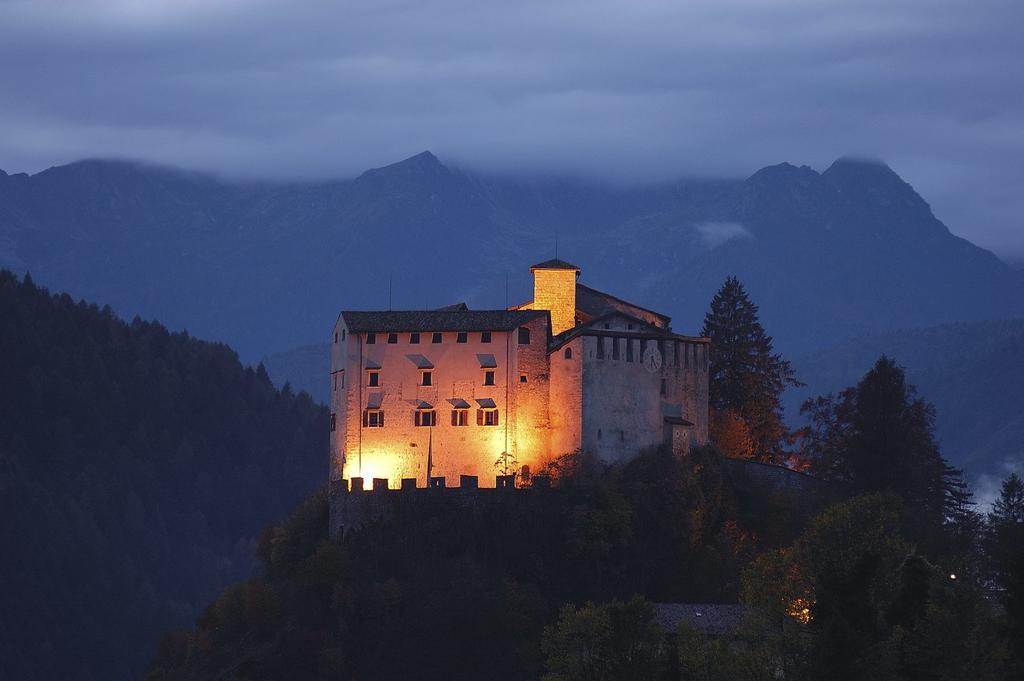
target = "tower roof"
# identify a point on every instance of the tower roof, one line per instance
(554, 264)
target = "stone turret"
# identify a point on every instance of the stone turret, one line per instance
(554, 289)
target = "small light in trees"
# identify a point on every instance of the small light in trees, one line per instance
(800, 610)
(952, 575)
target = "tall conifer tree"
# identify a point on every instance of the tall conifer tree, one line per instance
(746, 377)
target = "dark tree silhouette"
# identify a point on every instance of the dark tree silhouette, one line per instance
(879, 436)
(746, 377)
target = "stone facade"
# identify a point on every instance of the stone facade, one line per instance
(436, 394)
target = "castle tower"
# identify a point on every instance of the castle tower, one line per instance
(554, 289)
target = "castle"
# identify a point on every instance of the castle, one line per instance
(425, 398)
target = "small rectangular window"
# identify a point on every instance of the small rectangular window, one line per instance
(414, 339)
(425, 417)
(334, 422)
(436, 338)
(462, 337)
(335, 380)
(629, 326)
(486, 417)
(522, 378)
(524, 335)
(371, 338)
(459, 417)
(335, 337)
(392, 338)
(374, 379)
(488, 378)
(485, 337)
(428, 378)
(373, 418)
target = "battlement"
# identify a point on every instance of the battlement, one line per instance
(354, 504)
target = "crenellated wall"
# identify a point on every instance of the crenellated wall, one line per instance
(624, 407)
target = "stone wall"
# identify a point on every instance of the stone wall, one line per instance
(624, 406)
(567, 398)
(555, 290)
(806, 489)
(401, 449)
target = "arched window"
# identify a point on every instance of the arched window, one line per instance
(568, 353)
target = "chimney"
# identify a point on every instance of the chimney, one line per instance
(554, 289)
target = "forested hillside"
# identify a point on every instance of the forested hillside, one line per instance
(137, 467)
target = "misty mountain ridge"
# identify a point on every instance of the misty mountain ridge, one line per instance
(972, 372)
(266, 266)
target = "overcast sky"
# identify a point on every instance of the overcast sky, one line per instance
(627, 91)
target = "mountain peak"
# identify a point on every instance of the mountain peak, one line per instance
(860, 165)
(782, 172)
(423, 163)
(870, 176)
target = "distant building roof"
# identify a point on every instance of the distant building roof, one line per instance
(554, 264)
(713, 619)
(438, 320)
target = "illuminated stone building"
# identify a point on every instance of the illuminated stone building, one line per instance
(426, 395)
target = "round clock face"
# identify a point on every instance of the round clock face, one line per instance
(652, 359)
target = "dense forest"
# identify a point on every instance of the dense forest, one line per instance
(442, 591)
(564, 588)
(137, 467)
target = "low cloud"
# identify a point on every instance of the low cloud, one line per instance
(714, 234)
(987, 486)
(621, 91)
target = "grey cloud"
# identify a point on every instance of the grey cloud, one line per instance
(624, 91)
(714, 234)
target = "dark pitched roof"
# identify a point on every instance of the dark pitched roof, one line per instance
(678, 421)
(596, 303)
(437, 320)
(554, 264)
(713, 619)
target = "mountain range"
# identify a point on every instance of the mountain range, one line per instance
(828, 256)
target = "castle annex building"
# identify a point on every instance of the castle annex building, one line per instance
(429, 396)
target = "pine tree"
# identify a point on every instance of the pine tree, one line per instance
(746, 377)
